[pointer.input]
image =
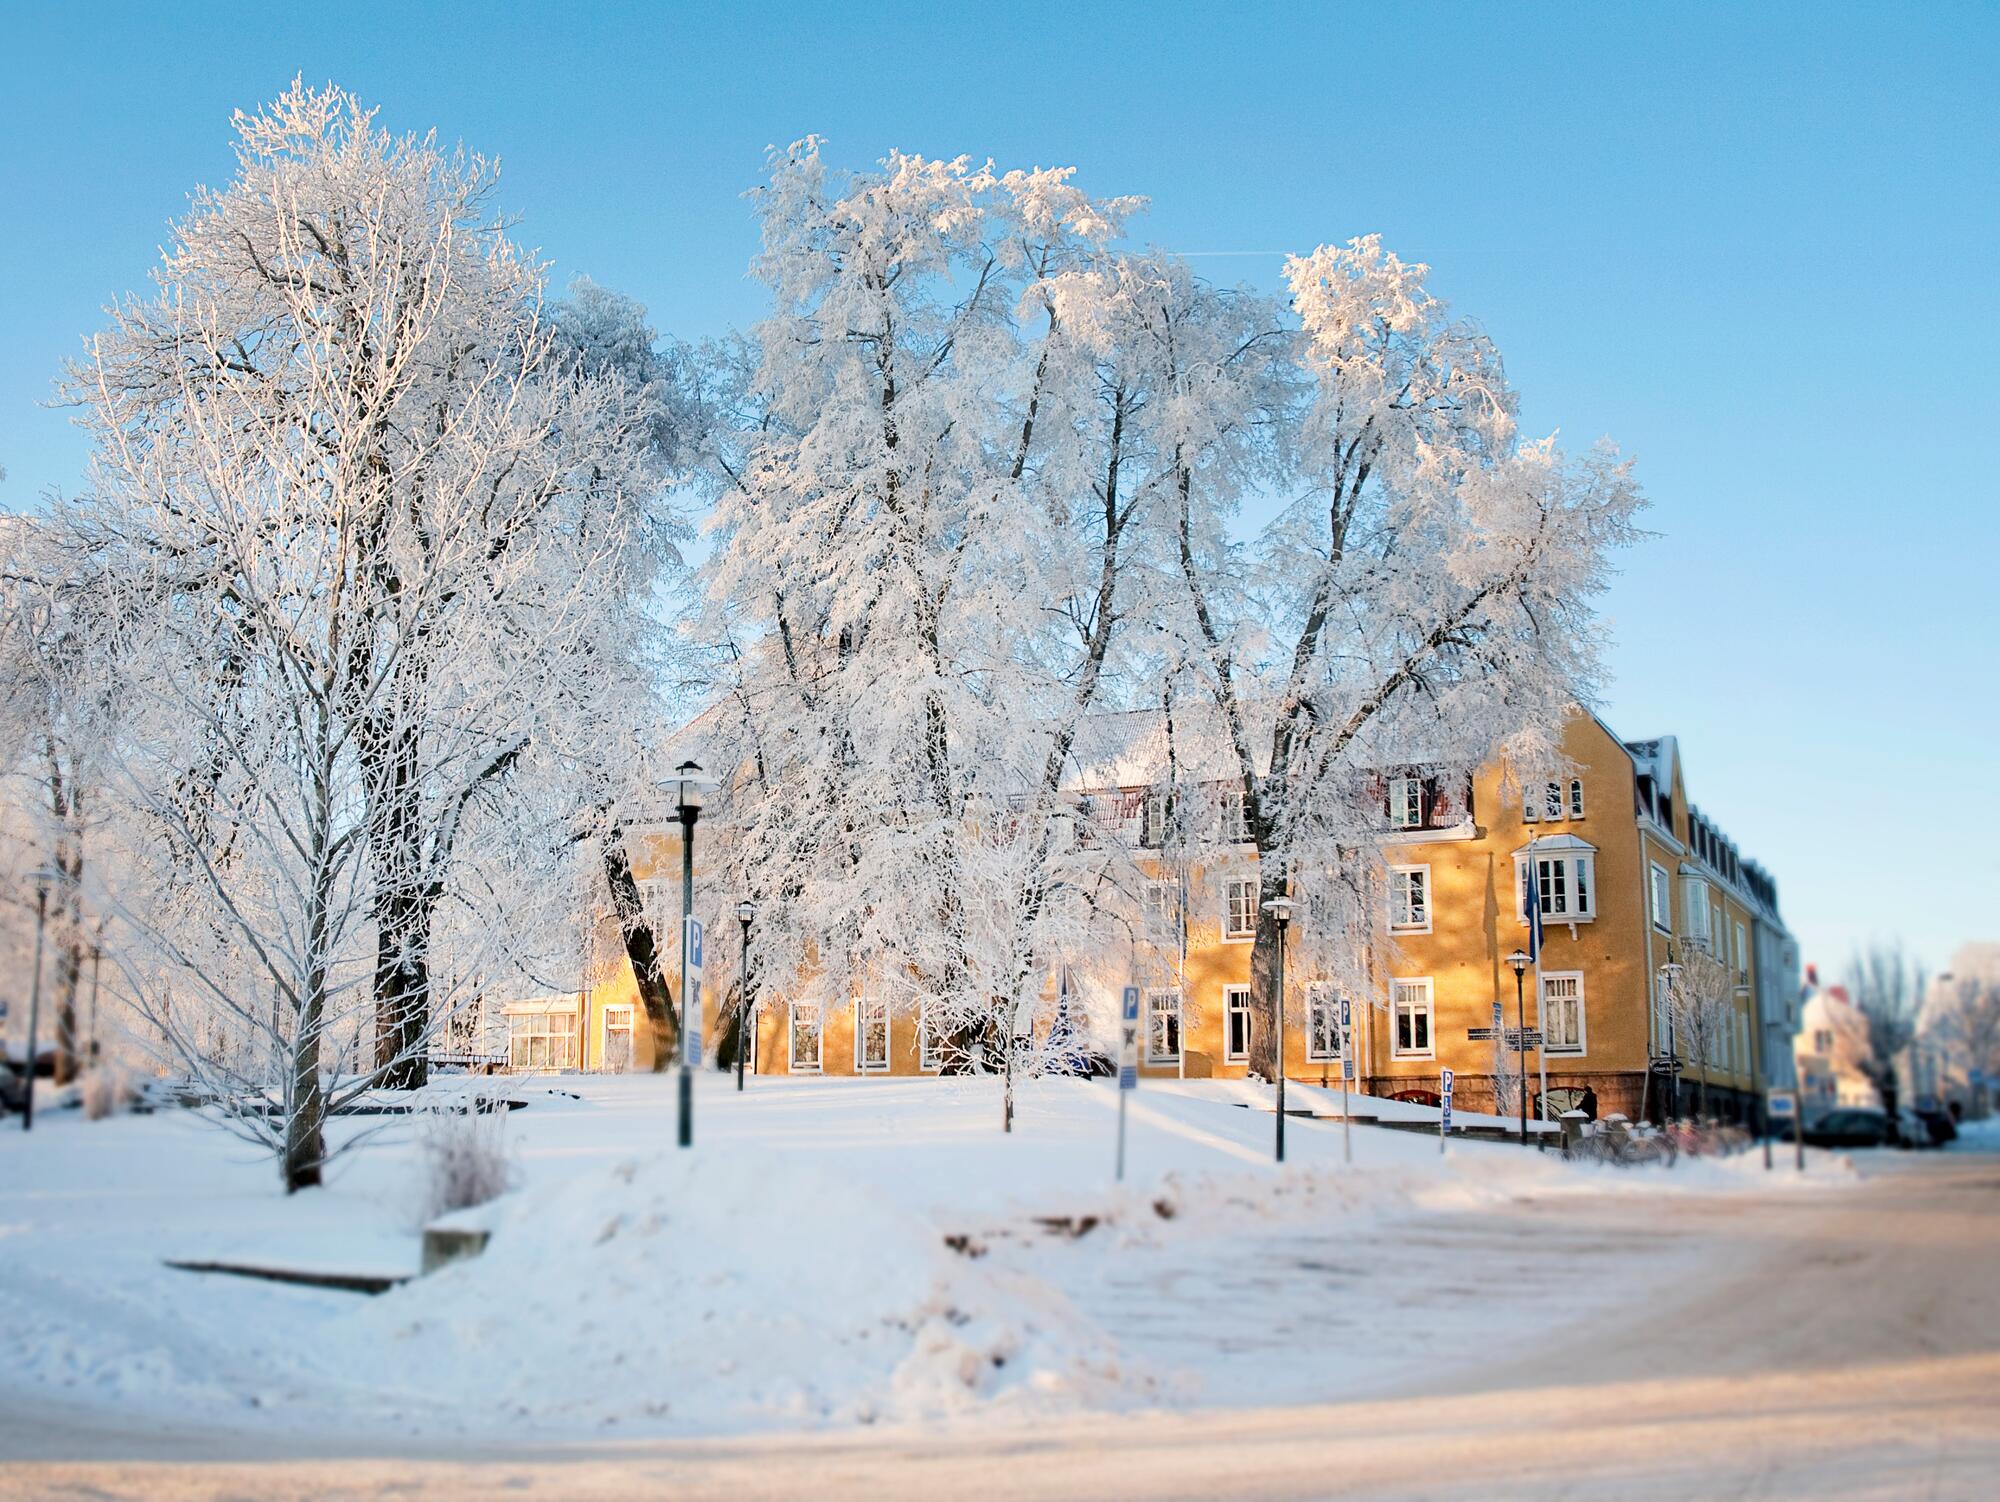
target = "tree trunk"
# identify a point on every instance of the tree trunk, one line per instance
(401, 903)
(1265, 1053)
(305, 1139)
(642, 949)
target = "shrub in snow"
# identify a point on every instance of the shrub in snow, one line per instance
(466, 1157)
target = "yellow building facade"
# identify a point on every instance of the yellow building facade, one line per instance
(1630, 873)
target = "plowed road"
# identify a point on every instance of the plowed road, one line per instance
(1840, 1344)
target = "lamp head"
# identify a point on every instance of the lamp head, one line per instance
(690, 787)
(1520, 960)
(745, 911)
(1280, 908)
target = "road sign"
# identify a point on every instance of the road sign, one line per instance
(1518, 1038)
(1444, 1114)
(1783, 1103)
(1344, 1019)
(691, 952)
(694, 947)
(1480, 1034)
(1347, 1066)
(1128, 1041)
(1496, 1014)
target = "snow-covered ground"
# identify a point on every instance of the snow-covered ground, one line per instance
(830, 1253)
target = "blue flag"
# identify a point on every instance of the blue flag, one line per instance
(1534, 906)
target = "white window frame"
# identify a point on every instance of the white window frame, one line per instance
(1576, 797)
(1403, 919)
(1582, 1045)
(1233, 817)
(1235, 1003)
(629, 1013)
(1406, 803)
(1694, 910)
(1579, 872)
(864, 1007)
(1742, 955)
(1552, 802)
(559, 1026)
(1322, 998)
(1416, 993)
(930, 1057)
(1660, 898)
(1163, 909)
(818, 1065)
(1530, 797)
(1230, 933)
(1153, 809)
(1156, 995)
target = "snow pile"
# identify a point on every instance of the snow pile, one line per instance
(686, 1290)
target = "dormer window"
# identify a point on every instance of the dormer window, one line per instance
(1406, 803)
(1235, 828)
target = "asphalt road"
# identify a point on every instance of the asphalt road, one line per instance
(1841, 1344)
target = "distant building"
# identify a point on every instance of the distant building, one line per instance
(1831, 1046)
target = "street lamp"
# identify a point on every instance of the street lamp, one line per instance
(43, 878)
(690, 786)
(1519, 961)
(1280, 909)
(746, 1016)
(1670, 977)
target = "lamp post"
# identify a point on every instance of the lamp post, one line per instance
(96, 954)
(1670, 977)
(746, 1014)
(1519, 961)
(689, 785)
(41, 876)
(1280, 909)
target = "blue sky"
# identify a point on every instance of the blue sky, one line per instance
(1754, 244)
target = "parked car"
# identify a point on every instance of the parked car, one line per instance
(1943, 1128)
(1852, 1126)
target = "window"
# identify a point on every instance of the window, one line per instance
(871, 1034)
(1694, 908)
(616, 1055)
(1406, 803)
(1561, 1013)
(1565, 885)
(1322, 1024)
(1153, 820)
(1823, 1041)
(1552, 800)
(1411, 1001)
(1236, 1024)
(1410, 899)
(805, 1037)
(1235, 824)
(930, 1037)
(540, 1037)
(1239, 916)
(1163, 910)
(1531, 804)
(1576, 797)
(1663, 900)
(1742, 956)
(1163, 1027)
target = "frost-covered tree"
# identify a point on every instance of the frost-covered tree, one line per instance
(1888, 988)
(919, 571)
(368, 530)
(1699, 992)
(1421, 605)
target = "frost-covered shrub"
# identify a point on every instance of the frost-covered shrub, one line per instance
(467, 1160)
(107, 1091)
